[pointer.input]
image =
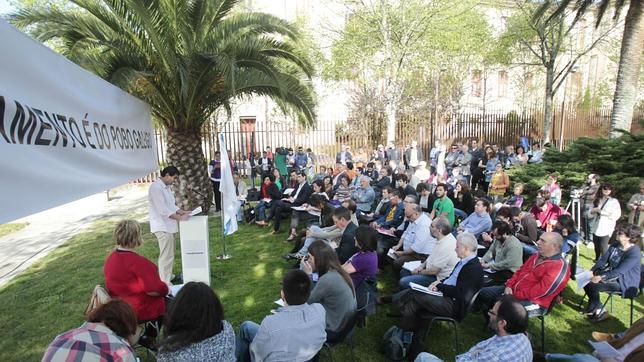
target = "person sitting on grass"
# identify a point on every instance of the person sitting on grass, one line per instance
(441, 260)
(135, 279)
(334, 288)
(545, 212)
(294, 332)
(195, 327)
(478, 221)
(342, 219)
(416, 242)
(505, 255)
(364, 263)
(269, 192)
(457, 289)
(628, 344)
(396, 213)
(537, 282)
(443, 206)
(382, 209)
(107, 335)
(516, 199)
(509, 321)
(617, 270)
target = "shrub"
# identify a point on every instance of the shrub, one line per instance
(618, 161)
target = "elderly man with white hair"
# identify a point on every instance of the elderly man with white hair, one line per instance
(457, 290)
(364, 195)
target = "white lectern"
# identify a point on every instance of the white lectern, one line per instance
(195, 257)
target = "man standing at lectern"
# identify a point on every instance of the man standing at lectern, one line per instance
(164, 214)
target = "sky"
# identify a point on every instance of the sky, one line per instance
(5, 7)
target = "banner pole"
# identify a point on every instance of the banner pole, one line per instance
(223, 256)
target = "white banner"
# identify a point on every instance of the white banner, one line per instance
(64, 132)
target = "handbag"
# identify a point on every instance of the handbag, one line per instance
(593, 219)
(99, 297)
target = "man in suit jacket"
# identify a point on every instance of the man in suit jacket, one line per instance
(343, 156)
(298, 196)
(458, 289)
(347, 246)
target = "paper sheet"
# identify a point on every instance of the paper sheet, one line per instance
(280, 302)
(196, 211)
(411, 265)
(605, 350)
(392, 254)
(385, 231)
(425, 290)
(174, 289)
(583, 279)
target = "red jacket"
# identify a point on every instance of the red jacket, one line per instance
(551, 213)
(540, 282)
(129, 276)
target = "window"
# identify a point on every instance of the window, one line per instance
(476, 83)
(503, 84)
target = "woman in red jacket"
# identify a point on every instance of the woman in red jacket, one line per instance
(133, 278)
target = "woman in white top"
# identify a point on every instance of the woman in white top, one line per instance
(606, 211)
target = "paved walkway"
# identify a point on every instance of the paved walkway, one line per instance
(50, 228)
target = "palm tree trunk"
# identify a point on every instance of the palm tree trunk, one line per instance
(185, 152)
(629, 69)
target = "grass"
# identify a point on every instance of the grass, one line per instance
(50, 297)
(6, 229)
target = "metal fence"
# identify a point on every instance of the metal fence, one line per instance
(494, 126)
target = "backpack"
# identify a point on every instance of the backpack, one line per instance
(396, 343)
(253, 195)
(249, 215)
(99, 297)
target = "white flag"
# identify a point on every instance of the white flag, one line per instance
(228, 191)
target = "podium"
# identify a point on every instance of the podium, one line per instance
(195, 256)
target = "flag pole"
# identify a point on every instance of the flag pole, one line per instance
(223, 256)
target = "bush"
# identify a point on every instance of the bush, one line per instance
(618, 161)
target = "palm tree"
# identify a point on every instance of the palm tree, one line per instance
(186, 59)
(630, 54)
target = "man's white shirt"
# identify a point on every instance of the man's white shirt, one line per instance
(161, 205)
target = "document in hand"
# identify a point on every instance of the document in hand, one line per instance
(287, 191)
(583, 278)
(196, 211)
(299, 208)
(392, 254)
(280, 302)
(411, 265)
(385, 231)
(425, 290)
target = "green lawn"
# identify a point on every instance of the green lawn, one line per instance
(6, 229)
(51, 296)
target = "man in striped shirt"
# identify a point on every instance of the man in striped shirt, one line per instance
(539, 280)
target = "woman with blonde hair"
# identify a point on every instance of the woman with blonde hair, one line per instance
(133, 278)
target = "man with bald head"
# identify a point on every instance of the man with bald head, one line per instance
(417, 241)
(539, 280)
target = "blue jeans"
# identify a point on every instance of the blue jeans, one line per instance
(247, 332)
(424, 280)
(260, 210)
(309, 240)
(461, 213)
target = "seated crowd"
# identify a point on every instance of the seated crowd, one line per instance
(453, 236)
